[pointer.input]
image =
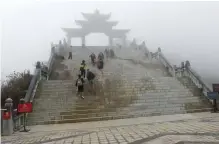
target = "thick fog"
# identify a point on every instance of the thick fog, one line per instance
(183, 30)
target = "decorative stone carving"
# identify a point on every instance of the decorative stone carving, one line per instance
(38, 65)
(159, 49)
(182, 65)
(187, 65)
(8, 124)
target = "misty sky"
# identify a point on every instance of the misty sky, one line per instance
(183, 30)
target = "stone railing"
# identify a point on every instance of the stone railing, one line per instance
(41, 71)
(166, 63)
(185, 70)
(38, 74)
(196, 79)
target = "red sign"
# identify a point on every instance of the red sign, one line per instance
(215, 87)
(25, 108)
(6, 115)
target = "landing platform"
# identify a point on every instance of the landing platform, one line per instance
(167, 129)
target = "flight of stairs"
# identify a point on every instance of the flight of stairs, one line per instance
(125, 90)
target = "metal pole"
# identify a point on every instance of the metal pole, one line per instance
(22, 101)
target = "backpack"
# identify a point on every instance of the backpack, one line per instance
(92, 75)
(100, 65)
(82, 68)
(79, 82)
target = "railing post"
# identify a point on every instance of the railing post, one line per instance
(174, 71)
(182, 69)
(158, 53)
(8, 124)
(22, 101)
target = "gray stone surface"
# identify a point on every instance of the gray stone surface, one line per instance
(191, 129)
(125, 90)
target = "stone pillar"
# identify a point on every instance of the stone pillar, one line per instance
(173, 71)
(124, 41)
(83, 41)
(8, 124)
(53, 50)
(110, 41)
(61, 48)
(68, 40)
(159, 52)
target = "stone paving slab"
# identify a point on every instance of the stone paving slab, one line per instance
(124, 122)
(191, 139)
(133, 132)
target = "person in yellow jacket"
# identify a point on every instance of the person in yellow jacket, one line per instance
(83, 69)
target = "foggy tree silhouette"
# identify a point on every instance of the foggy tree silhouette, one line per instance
(15, 87)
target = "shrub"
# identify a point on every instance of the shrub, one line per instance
(15, 87)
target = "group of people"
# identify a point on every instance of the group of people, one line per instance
(84, 74)
(109, 53)
(87, 74)
(99, 62)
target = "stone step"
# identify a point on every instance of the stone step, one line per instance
(139, 92)
(110, 97)
(108, 112)
(114, 97)
(133, 105)
(121, 116)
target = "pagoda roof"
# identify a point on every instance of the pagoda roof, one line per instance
(96, 16)
(74, 32)
(77, 32)
(118, 32)
(88, 23)
(95, 22)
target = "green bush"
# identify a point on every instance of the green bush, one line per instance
(15, 87)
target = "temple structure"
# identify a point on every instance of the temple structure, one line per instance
(95, 23)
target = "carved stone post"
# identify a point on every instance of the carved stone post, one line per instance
(182, 68)
(83, 41)
(53, 50)
(174, 70)
(187, 66)
(61, 48)
(110, 41)
(68, 40)
(65, 44)
(124, 41)
(8, 124)
(38, 67)
(159, 52)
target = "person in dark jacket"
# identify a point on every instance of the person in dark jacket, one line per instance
(106, 53)
(90, 77)
(100, 65)
(112, 54)
(100, 56)
(70, 55)
(93, 58)
(80, 86)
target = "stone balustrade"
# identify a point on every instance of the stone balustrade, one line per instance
(185, 70)
(39, 72)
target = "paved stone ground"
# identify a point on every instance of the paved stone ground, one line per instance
(184, 139)
(195, 128)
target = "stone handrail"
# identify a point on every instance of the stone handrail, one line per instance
(167, 64)
(51, 61)
(189, 72)
(30, 94)
(32, 87)
(196, 79)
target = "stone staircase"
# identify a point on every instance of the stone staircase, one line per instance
(126, 89)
